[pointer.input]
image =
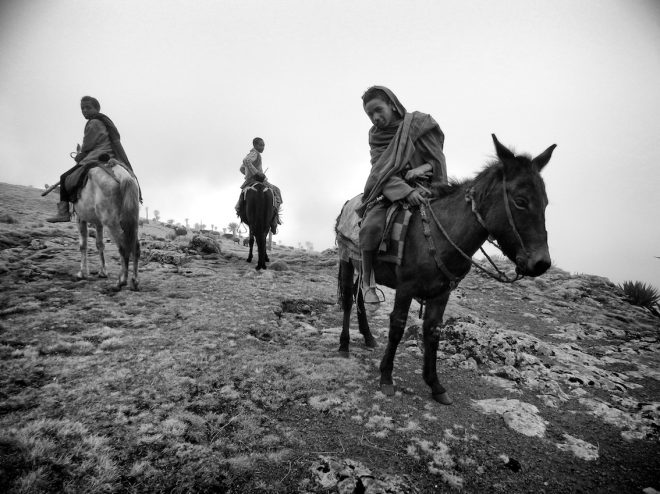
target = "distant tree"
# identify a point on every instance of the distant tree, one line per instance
(300, 245)
(170, 222)
(196, 226)
(233, 228)
(310, 246)
(157, 215)
(202, 226)
(186, 222)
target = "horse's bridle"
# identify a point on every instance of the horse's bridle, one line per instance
(469, 197)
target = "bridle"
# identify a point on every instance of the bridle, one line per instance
(469, 197)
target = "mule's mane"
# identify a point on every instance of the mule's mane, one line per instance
(490, 172)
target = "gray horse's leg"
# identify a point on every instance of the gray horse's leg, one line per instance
(398, 319)
(100, 247)
(82, 241)
(435, 309)
(136, 257)
(124, 259)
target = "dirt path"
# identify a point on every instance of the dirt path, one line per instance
(216, 378)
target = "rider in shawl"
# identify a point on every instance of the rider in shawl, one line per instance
(101, 138)
(407, 161)
(252, 170)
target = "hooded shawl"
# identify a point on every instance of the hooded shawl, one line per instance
(113, 133)
(392, 149)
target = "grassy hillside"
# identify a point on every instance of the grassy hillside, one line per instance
(217, 378)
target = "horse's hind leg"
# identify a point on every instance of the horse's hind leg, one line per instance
(435, 309)
(125, 257)
(82, 241)
(266, 258)
(345, 282)
(261, 251)
(136, 257)
(398, 319)
(249, 259)
(100, 247)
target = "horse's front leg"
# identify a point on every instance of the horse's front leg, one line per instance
(398, 319)
(435, 309)
(82, 241)
(100, 247)
(363, 323)
(345, 281)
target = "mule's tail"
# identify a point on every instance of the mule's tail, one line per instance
(129, 193)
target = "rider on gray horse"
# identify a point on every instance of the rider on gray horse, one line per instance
(101, 138)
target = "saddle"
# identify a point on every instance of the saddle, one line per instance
(77, 180)
(251, 185)
(391, 245)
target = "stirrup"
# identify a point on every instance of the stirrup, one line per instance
(373, 292)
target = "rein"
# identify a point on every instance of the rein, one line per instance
(453, 280)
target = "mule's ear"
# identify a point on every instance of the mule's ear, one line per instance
(77, 148)
(542, 159)
(502, 152)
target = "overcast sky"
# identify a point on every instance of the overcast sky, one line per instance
(190, 83)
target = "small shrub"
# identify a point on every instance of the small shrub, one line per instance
(6, 218)
(641, 294)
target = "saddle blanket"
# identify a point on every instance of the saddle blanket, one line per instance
(76, 181)
(392, 243)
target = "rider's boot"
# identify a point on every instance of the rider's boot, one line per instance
(368, 280)
(62, 213)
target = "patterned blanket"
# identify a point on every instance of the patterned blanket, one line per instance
(392, 244)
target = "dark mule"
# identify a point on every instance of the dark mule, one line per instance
(507, 201)
(110, 198)
(259, 211)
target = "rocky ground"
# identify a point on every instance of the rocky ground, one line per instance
(217, 378)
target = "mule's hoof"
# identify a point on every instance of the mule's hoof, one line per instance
(387, 389)
(343, 353)
(370, 342)
(443, 398)
(80, 276)
(102, 274)
(134, 286)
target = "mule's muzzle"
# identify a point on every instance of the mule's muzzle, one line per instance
(533, 265)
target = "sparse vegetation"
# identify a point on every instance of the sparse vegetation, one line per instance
(6, 218)
(217, 378)
(642, 294)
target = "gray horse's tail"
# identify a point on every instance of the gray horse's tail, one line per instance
(130, 211)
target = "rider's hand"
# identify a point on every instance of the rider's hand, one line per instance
(415, 198)
(417, 172)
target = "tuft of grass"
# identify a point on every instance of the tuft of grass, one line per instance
(641, 294)
(6, 218)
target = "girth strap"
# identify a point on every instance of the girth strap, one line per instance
(426, 227)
